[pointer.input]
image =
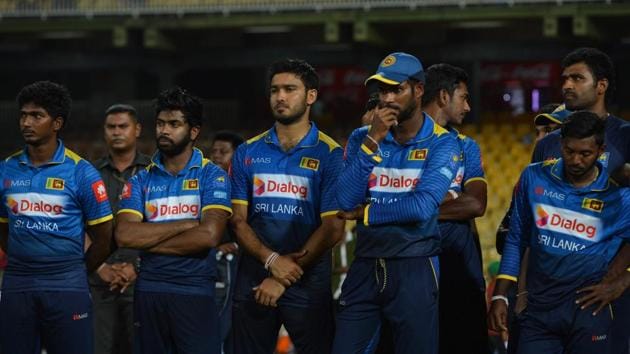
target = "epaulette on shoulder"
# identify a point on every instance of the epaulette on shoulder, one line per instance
(332, 144)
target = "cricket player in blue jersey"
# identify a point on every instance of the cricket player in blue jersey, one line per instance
(589, 84)
(462, 285)
(285, 220)
(176, 211)
(574, 219)
(50, 198)
(397, 172)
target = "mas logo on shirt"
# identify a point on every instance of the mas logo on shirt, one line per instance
(190, 184)
(394, 180)
(172, 208)
(35, 204)
(418, 154)
(54, 183)
(568, 222)
(126, 191)
(593, 204)
(281, 186)
(98, 188)
(309, 163)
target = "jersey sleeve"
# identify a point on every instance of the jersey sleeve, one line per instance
(238, 177)
(359, 161)
(334, 165)
(519, 232)
(423, 203)
(132, 196)
(92, 195)
(4, 216)
(215, 192)
(473, 167)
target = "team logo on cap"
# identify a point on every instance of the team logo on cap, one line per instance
(593, 204)
(190, 184)
(54, 183)
(388, 61)
(309, 163)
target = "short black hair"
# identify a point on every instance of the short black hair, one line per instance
(584, 124)
(178, 99)
(53, 97)
(442, 77)
(598, 62)
(299, 68)
(122, 108)
(372, 101)
(229, 136)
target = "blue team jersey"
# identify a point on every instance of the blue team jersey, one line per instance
(573, 232)
(617, 150)
(158, 196)
(403, 186)
(287, 194)
(47, 208)
(470, 168)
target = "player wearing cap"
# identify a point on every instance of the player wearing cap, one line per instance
(285, 220)
(397, 172)
(175, 211)
(50, 197)
(462, 285)
(573, 218)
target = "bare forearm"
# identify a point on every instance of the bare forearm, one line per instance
(248, 239)
(195, 240)
(619, 265)
(102, 245)
(465, 207)
(503, 286)
(144, 235)
(323, 239)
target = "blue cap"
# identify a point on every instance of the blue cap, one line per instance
(397, 68)
(558, 116)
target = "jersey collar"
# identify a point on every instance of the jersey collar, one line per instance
(601, 183)
(58, 157)
(309, 140)
(196, 161)
(426, 131)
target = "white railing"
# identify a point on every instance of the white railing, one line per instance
(88, 8)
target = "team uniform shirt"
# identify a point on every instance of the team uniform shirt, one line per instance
(470, 168)
(287, 194)
(617, 151)
(47, 209)
(160, 197)
(403, 186)
(573, 232)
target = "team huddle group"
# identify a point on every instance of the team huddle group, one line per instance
(412, 183)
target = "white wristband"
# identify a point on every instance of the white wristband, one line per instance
(270, 259)
(374, 141)
(453, 194)
(501, 297)
(100, 267)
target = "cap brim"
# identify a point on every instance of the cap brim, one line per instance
(380, 77)
(542, 119)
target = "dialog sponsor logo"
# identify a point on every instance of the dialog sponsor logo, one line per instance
(36, 204)
(172, 208)
(281, 186)
(394, 180)
(568, 222)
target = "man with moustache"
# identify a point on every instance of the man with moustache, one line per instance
(175, 212)
(589, 84)
(112, 290)
(50, 197)
(573, 219)
(285, 221)
(397, 172)
(462, 285)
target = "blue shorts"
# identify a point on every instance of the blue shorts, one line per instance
(565, 329)
(401, 291)
(175, 323)
(59, 320)
(255, 327)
